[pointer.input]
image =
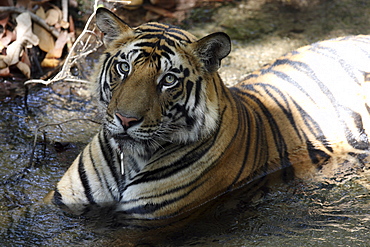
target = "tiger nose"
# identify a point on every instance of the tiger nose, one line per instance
(127, 122)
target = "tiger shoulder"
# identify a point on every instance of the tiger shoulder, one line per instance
(175, 137)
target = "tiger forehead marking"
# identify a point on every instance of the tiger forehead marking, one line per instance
(154, 32)
(152, 41)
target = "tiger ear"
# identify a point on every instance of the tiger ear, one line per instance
(110, 25)
(212, 49)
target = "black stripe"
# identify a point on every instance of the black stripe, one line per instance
(278, 138)
(103, 85)
(189, 88)
(85, 180)
(166, 49)
(101, 179)
(151, 208)
(156, 37)
(198, 87)
(285, 109)
(159, 172)
(147, 44)
(305, 68)
(152, 35)
(243, 120)
(308, 120)
(182, 162)
(300, 66)
(168, 30)
(260, 165)
(316, 155)
(160, 27)
(263, 156)
(110, 157)
(357, 140)
(57, 199)
(315, 130)
(166, 55)
(189, 183)
(156, 44)
(181, 37)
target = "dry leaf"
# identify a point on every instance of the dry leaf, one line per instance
(7, 38)
(71, 24)
(25, 59)
(53, 16)
(5, 72)
(24, 31)
(46, 39)
(24, 38)
(56, 52)
(24, 68)
(64, 24)
(2, 63)
(49, 62)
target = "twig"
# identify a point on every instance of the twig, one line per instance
(64, 73)
(26, 118)
(65, 10)
(34, 17)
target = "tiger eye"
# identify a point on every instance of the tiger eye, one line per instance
(123, 67)
(169, 79)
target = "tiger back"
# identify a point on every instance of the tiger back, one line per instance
(175, 137)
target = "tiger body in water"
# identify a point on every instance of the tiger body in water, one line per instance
(175, 137)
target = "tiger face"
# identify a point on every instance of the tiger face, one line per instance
(157, 84)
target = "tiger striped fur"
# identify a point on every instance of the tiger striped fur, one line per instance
(175, 137)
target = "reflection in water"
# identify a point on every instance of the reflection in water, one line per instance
(330, 212)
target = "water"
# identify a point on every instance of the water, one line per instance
(333, 212)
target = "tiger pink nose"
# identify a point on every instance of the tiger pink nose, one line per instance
(127, 121)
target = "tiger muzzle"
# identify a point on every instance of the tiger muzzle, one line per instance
(128, 122)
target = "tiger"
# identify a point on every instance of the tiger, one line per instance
(175, 137)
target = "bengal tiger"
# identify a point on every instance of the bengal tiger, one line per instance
(175, 137)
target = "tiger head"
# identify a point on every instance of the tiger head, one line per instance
(158, 83)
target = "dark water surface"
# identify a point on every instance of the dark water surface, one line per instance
(328, 213)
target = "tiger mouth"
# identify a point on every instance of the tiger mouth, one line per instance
(123, 137)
